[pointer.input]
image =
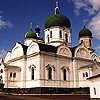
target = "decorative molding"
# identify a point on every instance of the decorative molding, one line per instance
(49, 65)
(22, 57)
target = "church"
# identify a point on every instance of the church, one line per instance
(53, 62)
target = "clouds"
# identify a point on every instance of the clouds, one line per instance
(5, 23)
(97, 49)
(94, 25)
(92, 8)
(2, 53)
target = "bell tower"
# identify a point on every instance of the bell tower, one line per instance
(85, 37)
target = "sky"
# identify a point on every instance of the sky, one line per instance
(16, 16)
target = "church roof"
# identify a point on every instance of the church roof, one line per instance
(73, 49)
(57, 20)
(42, 47)
(30, 34)
(95, 76)
(47, 48)
(24, 48)
(85, 32)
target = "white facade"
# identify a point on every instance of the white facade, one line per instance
(53, 63)
(17, 67)
(57, 35)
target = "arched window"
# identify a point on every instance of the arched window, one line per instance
(49, 73)
(11, 74)
(48, 38)
(90, 41)
(50, 34)
(64, 74)
(1, 70)
(86, 74)
(83, 75)
(0, 78)
(32, 73)
(94, 91)
(81, 41)
(66, 37)
(14, 75)
(60, 33)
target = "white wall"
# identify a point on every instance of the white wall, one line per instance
(95, 83)
(58, 63)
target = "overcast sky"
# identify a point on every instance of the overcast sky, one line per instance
(16, 16)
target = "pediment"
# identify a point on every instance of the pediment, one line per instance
(64, 51)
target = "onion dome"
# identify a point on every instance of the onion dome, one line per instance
(85, 32)
(37, 29)
(57, 20)
(30, 34)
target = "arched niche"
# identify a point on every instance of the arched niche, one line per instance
(33, 48)
(17, 51)
(64, 51)
(65, 73)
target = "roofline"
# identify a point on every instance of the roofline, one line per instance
(95, 76)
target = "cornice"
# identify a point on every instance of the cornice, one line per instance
(22, 58)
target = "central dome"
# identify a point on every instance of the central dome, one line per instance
(57, 20)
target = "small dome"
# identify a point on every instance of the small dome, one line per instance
(37, 29)
(57, 20)
(30, 34)
(85, 32)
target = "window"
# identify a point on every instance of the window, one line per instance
(14, 75)
(50, 34)
(81, 41)
(64, 74)
(60, 32)
(86, 74)
(48, 38)
(83, 75)
(49, 73)
(94, 91)
(11, 74)
(1, 77)
(66, 37)
(32, 73)
(90, 41)
(1, 70)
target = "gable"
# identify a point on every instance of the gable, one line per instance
(64, 51)
(17, 51)
(33, 48)
(8, 56)
(82, 52)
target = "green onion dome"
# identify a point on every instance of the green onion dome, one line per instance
(57, 20)
(85, 32)
(30, 34)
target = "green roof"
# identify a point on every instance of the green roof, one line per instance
(30, 34)
(57, 20)
(85, 32)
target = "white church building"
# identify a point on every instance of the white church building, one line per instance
(53, 62)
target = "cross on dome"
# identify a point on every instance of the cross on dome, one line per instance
(57, 10)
